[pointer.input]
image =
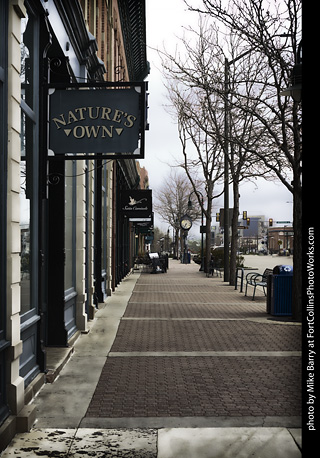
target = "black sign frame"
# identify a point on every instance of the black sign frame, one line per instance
(137, 203)
(143, 85)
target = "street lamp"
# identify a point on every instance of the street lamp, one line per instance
(226, 260)
(295, 90)
(189, 208)
(176, 237)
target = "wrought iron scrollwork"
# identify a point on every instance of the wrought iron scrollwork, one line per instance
(54, 178)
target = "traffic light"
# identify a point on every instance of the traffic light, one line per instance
(248, 221)
(244, 215)
(270, 222)
(217, 217)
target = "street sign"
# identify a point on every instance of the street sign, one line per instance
(283, 222)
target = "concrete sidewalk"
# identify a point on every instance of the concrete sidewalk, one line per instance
(175, 365)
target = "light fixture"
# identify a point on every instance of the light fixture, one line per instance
(295, 90)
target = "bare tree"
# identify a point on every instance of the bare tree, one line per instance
(271, 32)
(207, 162)
(197, 92)
(244, 135)
(172, 203)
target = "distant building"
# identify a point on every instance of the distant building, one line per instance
(144, 177)
(280, 239)
(254, 237)
(259, 236)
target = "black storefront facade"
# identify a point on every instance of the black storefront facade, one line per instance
(69, 246)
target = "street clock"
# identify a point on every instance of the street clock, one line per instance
(186, 222)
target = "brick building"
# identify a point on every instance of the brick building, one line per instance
(64, 243)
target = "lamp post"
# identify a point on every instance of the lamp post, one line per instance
(295, 90)
(176, 237)
(185, 224)
(189, 208)
(167, 241)
(226, 260)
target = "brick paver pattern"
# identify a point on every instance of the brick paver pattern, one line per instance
(197, 386)
(205, 336)
(183, 311)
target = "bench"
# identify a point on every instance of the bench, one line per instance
(241, 270)
(255, 279)
(240, 274)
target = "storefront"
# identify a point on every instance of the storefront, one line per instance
(4, 343)
(65, 244)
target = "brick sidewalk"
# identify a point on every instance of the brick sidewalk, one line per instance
(193, 346)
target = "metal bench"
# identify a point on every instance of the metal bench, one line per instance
(255, 279)
(240, 275)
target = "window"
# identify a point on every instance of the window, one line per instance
(3, 162)
(29, 195)
(104, 220)
(29, 159)
(70, 226)
(3, 202)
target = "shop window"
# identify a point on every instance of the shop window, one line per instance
(29, 159)
(70, 226)
(3, 204)
(104, 219)
(3, 164)
(25, 262)
(29, 195)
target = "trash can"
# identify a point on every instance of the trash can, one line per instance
(164, 262)
(279, 302)
(269, 286)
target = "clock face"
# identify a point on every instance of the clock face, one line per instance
(186, 224)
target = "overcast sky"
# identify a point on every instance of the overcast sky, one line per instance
(165, 20)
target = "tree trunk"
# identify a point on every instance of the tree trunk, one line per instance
(208, 238)
(234, 236)
(208, 248)
(297, 252)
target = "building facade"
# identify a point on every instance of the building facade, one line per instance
(260, 236)
(65, 244)
(280, 240)
(253, 239)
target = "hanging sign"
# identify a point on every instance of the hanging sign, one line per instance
(143, 224)
(101, 122)
(137, 203)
